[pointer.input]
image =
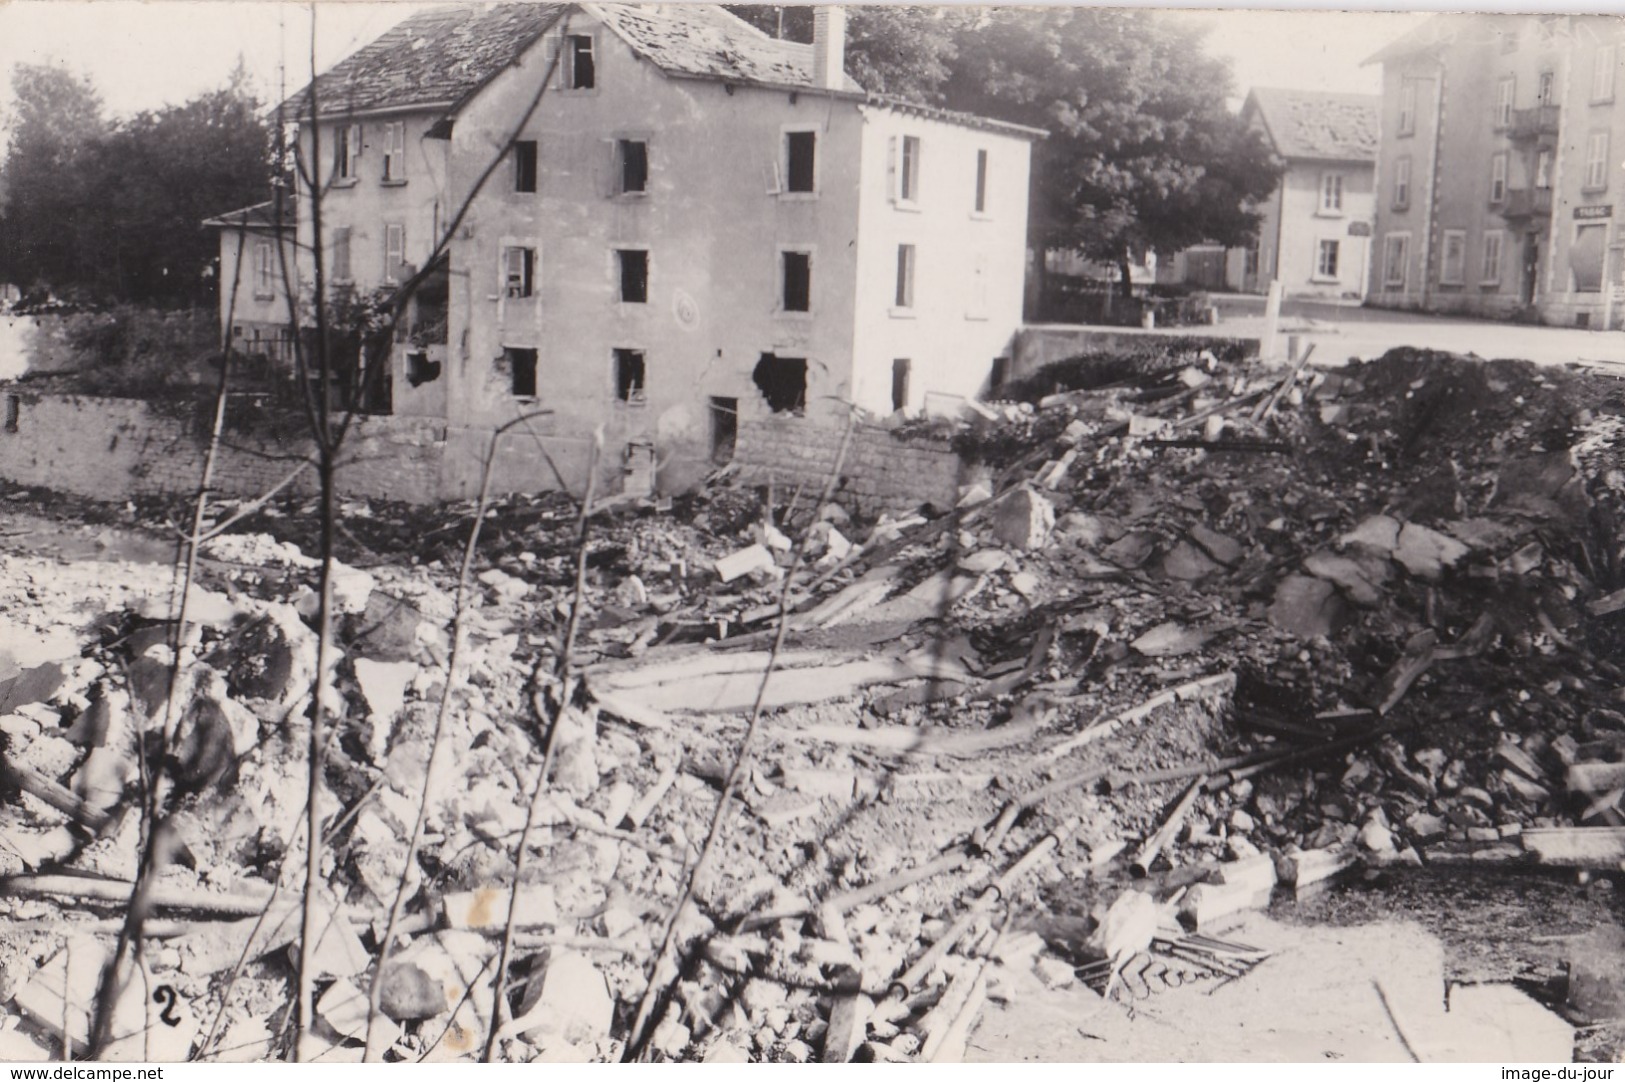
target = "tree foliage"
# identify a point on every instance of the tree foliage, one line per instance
(56, 125)
(898, 50)
(114, 211)
(1142, 153)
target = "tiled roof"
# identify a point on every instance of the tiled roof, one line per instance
(950, 116)
(439, 57)
(258, 216)
(435, 58)
(706, 41)
(1320, 125)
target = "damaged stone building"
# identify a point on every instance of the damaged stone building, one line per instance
(701, 238)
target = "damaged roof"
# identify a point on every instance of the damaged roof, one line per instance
(439, 58)
(435, 59)
(259, 216)
(1317, 124)
(706, 41)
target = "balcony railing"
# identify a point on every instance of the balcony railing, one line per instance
(1535, 122)
(1527, 203)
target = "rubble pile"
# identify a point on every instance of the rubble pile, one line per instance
(1222, 629)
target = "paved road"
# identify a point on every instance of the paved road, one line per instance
(1343, 331)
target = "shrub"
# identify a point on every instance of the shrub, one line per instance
(127, 350)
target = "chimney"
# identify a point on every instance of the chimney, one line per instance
(829, 48)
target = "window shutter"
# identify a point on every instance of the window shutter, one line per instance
(891, 169)
(608, 179)
(770, 173)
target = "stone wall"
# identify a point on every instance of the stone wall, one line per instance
(881, 472)
(115, 448)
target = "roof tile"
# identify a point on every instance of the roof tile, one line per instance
(1321, 125)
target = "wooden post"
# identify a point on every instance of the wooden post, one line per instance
(1269, 344)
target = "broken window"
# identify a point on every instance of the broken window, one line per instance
(341, 253)
(394, 251)
(908, 170)
(899, 383)
(905, 276)
(395, 152)
(522, 371)
(518, 271)
(633, 267)
(724, 429)
(795, 281)
(981, 182)
(579, 67)
(632, 162)
(421, 370)
(1402, 183)
(782, 381)
(800, 149)
(1498, 178)
(346, 152)
(629, 371)
(524, 165)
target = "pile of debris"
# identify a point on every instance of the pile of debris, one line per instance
(1221, 629)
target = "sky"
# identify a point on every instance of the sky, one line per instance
(143, 54)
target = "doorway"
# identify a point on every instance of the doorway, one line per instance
(1531, 267)
(724, 429)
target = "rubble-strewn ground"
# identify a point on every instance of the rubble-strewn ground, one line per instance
(1378, 625)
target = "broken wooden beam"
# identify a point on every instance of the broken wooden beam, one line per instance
(1141, 865)
(1595, 777)
(1312, 869)
(1243, 885)
(1577, 847)
(58, 797)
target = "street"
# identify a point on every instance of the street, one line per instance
(1345, 331)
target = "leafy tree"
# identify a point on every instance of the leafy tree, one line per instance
(1142, 153)
(56, 124)
(897, 50)
(176, 167)
(114, 211)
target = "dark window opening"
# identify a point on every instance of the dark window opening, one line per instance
(908, 185)
(581, 64)
(1001, 366)
(899, 384)
(724, 429)
(797, 281)
(522, 368)
(629, 371)
(421, 370)
(634, 158)
(905, 276)
(634, 271)
(524, 165)
(782, 381)
(519, 272)
(14, 412)
(981, 181)
(800, 148)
